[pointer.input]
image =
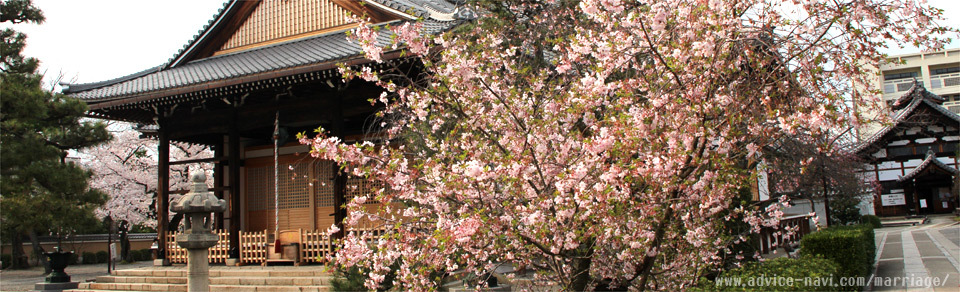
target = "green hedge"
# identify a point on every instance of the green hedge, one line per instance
(871, 220)
(6, 259)
(851, 247)
(102, 257)
(780, 274)
(141, 254)
(89, 258)
(74, 259)
(146, 254)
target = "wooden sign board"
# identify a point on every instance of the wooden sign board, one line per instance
(892, 200)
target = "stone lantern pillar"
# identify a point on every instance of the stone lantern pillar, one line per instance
(197, 236)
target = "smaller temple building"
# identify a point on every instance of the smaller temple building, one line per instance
(913, 160)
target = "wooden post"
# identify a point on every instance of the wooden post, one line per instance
(340, 178)
(234, 165)
(163, 191)
(218, 183)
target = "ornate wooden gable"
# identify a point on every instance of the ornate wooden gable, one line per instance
(277, 21)
(255, 24)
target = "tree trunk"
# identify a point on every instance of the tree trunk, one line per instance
(38, 252)
(125, 241)
(18, 258)
(581, 277)
(826, 199)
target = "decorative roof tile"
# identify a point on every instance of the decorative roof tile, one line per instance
(930, 160)
(905, 106)
(318, 49)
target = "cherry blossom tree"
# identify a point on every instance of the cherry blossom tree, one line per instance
(126, 169)
(598, 142)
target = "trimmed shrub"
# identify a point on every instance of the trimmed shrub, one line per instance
(350, 279)
(146, 254)
(102, 257)
(6, 259)
(780, 274)
(89, 258)
(74, 259)
(852, 248)
(134, 255)
(845, 210)
(872, 220)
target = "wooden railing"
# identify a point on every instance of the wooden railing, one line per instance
(216, 254)
(175, 253)
(253, 247)
(315, 246)
(772, 238)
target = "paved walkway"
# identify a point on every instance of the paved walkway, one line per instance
(23, 280)
(918, 258)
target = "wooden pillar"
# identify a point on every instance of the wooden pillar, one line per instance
(340, 178)
(218, 182)
(163, 189)
(234, 165)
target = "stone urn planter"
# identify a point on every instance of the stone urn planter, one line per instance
(58, 261)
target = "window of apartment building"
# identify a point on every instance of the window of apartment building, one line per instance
(899, 75)
(896, 82)
(943, 77)
(947, 70)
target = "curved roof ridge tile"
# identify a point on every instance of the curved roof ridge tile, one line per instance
(919, 95)
(931, 159)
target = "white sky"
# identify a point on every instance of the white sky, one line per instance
(96, 40)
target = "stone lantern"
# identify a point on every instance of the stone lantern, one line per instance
(197, 236)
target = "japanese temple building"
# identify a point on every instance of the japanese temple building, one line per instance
(256, 63)
(914, 158)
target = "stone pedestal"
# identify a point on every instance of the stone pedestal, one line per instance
(55, 287)
(198, 270)
(197, 206)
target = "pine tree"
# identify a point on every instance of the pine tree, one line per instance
(40, 190)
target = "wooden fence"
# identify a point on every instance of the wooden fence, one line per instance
(253, 247)
(216, 254)
(771, 238)
(314, 246)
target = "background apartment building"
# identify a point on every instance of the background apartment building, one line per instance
(939, 72)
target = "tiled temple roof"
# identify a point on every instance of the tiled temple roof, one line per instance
(929, 161)
(905, 105)
(319, 49)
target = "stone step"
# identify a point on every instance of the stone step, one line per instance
(266, 281)
(224, 273)
(148, 280)
(271, 281)
(115, 287)
(132, 287)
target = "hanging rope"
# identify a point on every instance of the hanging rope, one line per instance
(276, 183)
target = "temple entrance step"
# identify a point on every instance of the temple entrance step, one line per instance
(222, 278)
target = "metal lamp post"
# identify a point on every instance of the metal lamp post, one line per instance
(197, 236)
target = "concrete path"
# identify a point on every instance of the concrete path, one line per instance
(918, 258)
(23, 280)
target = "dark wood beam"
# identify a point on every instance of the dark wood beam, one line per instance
(233, 152)
(260, 115)
(218, 185)
(200, 160)
(340, 178)
(163, 188)
(214, 189)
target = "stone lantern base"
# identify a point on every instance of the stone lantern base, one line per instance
(57, 287)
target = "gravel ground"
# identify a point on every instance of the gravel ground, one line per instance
(23, 280)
